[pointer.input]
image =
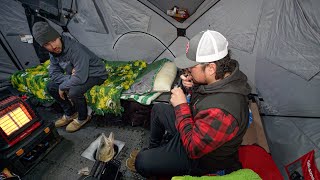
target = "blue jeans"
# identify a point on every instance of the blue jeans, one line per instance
(76, 94)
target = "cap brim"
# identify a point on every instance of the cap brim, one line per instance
(182, 62)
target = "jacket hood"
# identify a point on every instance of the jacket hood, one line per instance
(236, 82)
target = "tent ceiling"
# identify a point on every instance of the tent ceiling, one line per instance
(195, 8)
(165, 5)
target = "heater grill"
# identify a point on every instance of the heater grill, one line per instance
(17, 120)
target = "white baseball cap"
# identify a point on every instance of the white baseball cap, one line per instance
(206, 46)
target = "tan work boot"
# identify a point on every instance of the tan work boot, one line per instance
(76, 125)
(134, 153)
(64, 120)
(130, 163)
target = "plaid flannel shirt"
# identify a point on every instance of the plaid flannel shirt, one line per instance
(205, 132)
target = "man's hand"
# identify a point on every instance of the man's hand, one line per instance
(177, 97)
(187, 80)
(73, 72)
(61, 94)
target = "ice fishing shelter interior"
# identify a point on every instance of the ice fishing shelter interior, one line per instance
(277, 43)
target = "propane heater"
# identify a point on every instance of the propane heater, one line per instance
(24, 138)
(17, 121)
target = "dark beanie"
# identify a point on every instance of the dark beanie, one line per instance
(43, 32)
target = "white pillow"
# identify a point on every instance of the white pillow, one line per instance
(165, 77)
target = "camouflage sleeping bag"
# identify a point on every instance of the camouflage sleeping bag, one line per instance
(102, 99)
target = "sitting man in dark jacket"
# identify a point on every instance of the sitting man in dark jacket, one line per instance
(206, 129)
(74, 69)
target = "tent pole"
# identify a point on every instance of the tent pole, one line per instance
(167, 48)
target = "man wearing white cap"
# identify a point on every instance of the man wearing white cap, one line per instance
(208, 130)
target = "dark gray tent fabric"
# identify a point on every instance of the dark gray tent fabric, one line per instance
(238, 21)
(88, 16)
(177, 48)
(291, 138)
(13, 22)
(129, 17)
(126, 16)
(294, 39)
(7, 68)
(131, 40)
(284, 92)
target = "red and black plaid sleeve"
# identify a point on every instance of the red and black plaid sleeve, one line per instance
(207, 131)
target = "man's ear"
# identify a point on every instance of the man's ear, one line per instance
(212, 68)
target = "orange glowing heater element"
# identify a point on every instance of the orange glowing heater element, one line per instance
(14, 120)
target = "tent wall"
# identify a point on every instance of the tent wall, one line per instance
(285, 93)
(6, 67)
(13, 23)
(291, 138)
(290, 91)
(122, 17)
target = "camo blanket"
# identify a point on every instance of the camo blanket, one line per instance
(102, 99)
